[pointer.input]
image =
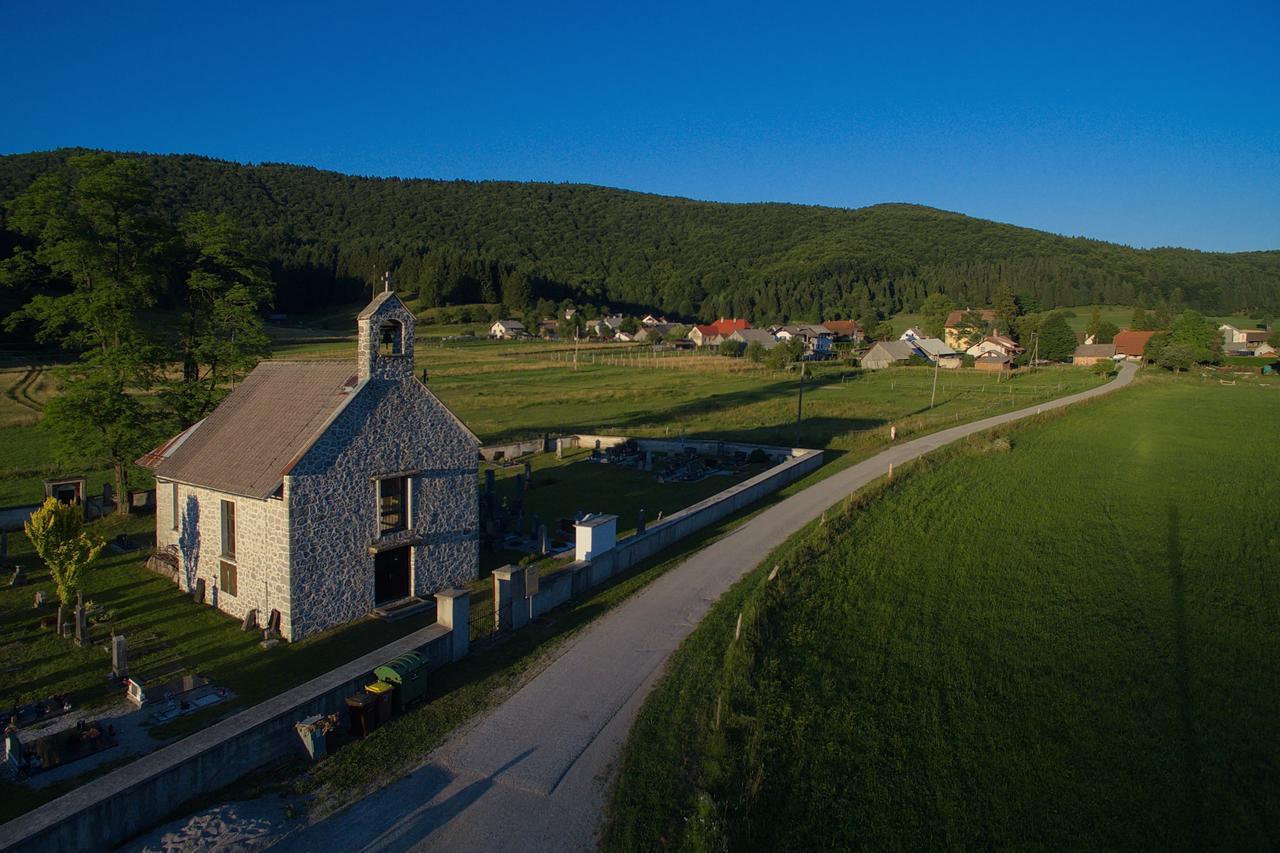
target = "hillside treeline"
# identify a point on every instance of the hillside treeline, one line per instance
(328, 238)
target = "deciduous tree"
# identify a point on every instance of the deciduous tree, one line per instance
(56, 531)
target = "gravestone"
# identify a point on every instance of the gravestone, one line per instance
(559, 448)
(528, 475)
(271, 635)
(250, 622)
(543, 546)
(640, 523)
(488, 481)
(108, 498)
(81, 626)
(119, 657)
(38, 602)
(60, 626)
(198, 595)
(18, 578)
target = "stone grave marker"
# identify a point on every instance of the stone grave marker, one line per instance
(119, 657)
(640, 523)
(198, 594)
(61, 617)
(250, 622)
(81, 626)
(38, 602)
(543, 547)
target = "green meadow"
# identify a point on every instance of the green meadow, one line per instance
(1061, 637)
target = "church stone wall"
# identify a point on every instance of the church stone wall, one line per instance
(393, 426)
(262, 549)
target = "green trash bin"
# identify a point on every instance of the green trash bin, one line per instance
(409, 675)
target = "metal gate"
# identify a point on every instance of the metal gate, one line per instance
(483, 624)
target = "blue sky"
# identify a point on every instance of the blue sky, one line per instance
(1143, 124)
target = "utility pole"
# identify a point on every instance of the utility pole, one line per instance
(936, 362)
(800, 404)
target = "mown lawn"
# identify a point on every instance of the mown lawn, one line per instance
(1071, 643)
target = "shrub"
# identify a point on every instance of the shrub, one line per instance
(731, 348)
(56, 531)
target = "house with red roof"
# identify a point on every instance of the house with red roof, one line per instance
(709, 334)
(1131, 344)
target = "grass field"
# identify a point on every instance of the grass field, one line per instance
(1069, 643)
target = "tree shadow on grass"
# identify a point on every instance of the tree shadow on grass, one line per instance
(1191, 758)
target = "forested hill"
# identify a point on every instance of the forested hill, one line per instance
(328, 236)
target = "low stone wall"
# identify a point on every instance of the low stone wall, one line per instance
(113, 808)
(497, 452)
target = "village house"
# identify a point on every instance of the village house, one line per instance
(1131, 344)
(998, 344)
(650, 320)
(846, 330)
(886, 354)
(508, 330)
(704, 335)
(1087, 354)
(993, 361)
(605, 327)
(1249, 337)
(323, 490)
(937, 351)
(549, 327)
(816, 338)
(954, 333)
(755, 336)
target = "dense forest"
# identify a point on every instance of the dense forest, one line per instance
(328, 237)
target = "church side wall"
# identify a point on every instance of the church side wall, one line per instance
(262, 549)
(393, 426)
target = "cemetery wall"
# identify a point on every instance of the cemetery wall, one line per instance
(579, 576)
(111, 809)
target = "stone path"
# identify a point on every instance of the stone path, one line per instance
(534, 773)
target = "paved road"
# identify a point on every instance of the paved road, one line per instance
(534, 773)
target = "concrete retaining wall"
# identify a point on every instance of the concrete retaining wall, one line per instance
(113, 808)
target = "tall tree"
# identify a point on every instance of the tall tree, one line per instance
(1006, 308)
(220, 333)
(100, 249)
(1057, 341)
(933, 313)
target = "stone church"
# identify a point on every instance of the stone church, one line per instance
(322, 491)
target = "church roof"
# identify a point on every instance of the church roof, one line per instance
(252, 439)
(377, 303)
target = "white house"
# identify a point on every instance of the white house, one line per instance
(997, 344)
(507, 329)
(323, 490)
(1251, 337)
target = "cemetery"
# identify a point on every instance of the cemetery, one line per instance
(530, 503)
